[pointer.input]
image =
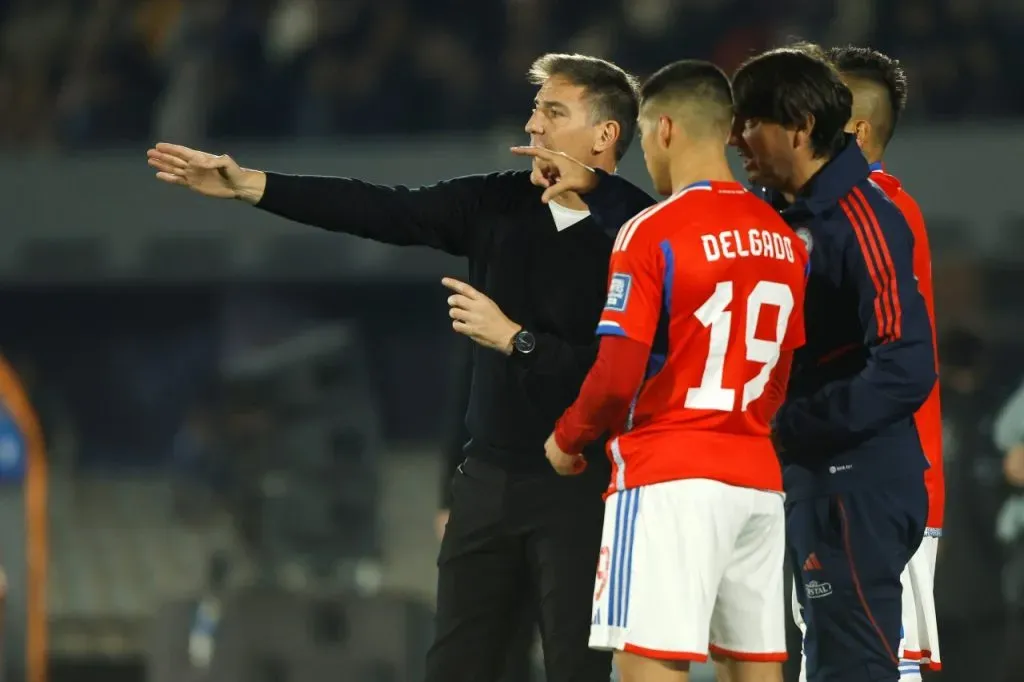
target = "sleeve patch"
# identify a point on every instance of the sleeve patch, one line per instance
(618, 292)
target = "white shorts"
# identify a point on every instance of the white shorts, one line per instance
(920, 632)
(919, 646)
(692, 566)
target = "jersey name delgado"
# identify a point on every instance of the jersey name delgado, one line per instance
(752, 243)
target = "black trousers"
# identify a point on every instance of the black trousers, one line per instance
(519, 665)
(514, 540)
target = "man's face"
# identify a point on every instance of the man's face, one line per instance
(655, 154)
(562, 121)
(768, 151)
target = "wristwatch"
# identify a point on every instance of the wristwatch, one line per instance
(523, 342)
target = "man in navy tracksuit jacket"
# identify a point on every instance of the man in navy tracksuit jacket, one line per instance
(853, 462)
(856, 504)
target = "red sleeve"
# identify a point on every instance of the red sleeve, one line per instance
(922, 250)
(606, 394)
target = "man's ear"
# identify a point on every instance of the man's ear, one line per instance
(862, 130)
(607, 136)
(802, 134)
(666, 129)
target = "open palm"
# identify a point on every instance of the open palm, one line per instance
(208, 174)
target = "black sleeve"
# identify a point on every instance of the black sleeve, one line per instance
(552, 374)
(442, 216)
(457, 435)
(615, 200)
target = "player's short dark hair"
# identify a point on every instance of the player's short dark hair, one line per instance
(697, 81)
(807, 47)
(787, 86)
(875, 67)
(611, 90)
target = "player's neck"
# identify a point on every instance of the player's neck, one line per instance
(873, 150)
(686, 169)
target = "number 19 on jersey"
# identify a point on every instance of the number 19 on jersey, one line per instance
(716, 315)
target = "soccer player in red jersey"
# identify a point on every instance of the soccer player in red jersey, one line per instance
(879, 88)
(703, 314)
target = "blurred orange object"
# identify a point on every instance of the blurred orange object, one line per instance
(36, 516)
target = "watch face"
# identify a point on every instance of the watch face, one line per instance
(525, 342)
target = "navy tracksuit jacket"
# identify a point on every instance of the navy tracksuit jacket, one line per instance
(867, 366)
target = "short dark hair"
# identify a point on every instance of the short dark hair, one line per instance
(695, 80)
(787, 86)
(611, 90)
(807, 47)
(874, 67)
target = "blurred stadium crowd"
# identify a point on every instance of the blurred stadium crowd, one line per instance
(86, 73)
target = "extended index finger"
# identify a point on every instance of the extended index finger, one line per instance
(459, 287)
(538, 152)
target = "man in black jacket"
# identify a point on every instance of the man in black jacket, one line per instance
(516, 531)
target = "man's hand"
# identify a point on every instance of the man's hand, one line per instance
(212, 176)
(1013, 466)
(478, 317)
(559, 173)
(562, 462)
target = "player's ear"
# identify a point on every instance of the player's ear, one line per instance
(862, 130)
(664, 130)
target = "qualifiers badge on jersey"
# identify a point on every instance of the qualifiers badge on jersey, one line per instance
(618, 292)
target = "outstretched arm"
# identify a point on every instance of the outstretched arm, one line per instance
(442, 216)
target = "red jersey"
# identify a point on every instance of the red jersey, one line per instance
(928, 418)
(712, 280)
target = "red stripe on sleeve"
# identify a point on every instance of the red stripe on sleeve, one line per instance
(869, 261)
(883, 308)
(884, 290)
(888, 267)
